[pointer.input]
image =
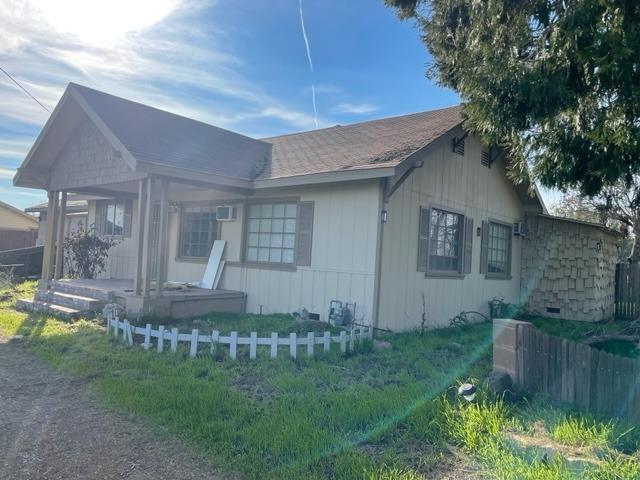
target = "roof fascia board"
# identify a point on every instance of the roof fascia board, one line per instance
(325, 177)
(43, 133)
(193, 175)
(102, 127)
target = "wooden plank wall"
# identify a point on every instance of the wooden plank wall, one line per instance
(572, 372)
(627, 292)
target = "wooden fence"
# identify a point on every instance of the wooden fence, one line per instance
(627, 291)
(30, 258)
(13, 239)
(568, 371)
(163, 336)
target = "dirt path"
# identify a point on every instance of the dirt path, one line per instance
(51, 428)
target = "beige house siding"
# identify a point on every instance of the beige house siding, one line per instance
(122, 258)
(342, 261)
(10, 220)
(88, 159)
(463, 184)
(568, 266)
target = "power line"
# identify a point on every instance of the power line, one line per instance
(24, 89)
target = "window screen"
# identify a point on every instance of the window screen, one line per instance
(445, 235)
(198, 231)
(271, 233)
(498, 249)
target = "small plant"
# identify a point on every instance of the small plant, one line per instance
(86, 253)
(496, 307)
(579, 432)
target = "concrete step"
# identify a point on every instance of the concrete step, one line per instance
(78, 302)
(73, 289)
(30, 305)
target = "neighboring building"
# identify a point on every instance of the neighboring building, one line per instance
(17, 228)
(77, 215)
(410, 217)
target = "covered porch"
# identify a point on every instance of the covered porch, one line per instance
(145, 288)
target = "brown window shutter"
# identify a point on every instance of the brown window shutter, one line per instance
(100, 218)
(468, 244)
(128, 213)
(304, 233)
(423, 239)
(484, 247)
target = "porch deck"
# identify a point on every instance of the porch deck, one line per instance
(177, 300)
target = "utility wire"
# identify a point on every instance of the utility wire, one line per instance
(24, 89)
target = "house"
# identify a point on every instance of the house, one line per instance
(76, 217)
(411, 218)
(17, 228)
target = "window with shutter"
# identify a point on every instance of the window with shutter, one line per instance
(198, 230)
(305, 233)
(446, 230)
(496, 250)
(113, 217)
(423, 239)
(271, 232)
(468, 244)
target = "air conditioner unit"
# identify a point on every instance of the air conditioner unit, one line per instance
(520, 229)
(225, 213)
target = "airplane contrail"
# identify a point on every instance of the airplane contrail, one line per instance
(306, 43)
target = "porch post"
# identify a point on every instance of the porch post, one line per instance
(60, 242)
(49, 238)
(146, 244)
(140, 226)
(161, 258)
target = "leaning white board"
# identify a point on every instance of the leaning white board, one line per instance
(218, 275)
(210, 273)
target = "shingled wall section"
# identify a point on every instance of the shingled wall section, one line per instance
(568, 269)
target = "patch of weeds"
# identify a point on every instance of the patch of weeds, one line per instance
(580, 432)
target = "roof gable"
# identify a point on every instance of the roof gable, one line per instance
(163, 138)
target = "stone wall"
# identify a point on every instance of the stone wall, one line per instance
(568, 269)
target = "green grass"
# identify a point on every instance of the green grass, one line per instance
(577, 331)
(371, 415)
(245, 324)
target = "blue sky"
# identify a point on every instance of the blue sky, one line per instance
(238, 64)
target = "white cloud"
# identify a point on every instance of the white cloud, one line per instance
(7, 173)
(156, 55)
(355, 108)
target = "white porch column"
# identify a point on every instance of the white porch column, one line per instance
(140, 229)
(49, 239)
(60, 241)
(161, 258)
(146, 244)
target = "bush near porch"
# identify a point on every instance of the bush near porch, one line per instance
(387, 414)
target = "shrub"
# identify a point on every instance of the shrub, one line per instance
(85, 253)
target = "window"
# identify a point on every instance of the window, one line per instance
(498, 249)
(271, 233)
(445, 239)
(198, 231)
(113, 217)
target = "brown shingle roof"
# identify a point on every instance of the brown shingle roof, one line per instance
(160, 137)
(377, 143)
(164, 138)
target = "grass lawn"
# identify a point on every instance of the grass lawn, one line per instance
(576, 330)
(387, 414)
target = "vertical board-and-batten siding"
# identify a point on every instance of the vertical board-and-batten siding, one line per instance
(343, 252)
(121, 263)
(462, 183)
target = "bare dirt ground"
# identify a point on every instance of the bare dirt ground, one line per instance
(51, 428)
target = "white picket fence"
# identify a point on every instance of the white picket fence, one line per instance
(124, 329)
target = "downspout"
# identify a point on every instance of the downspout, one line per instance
(378, 265)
